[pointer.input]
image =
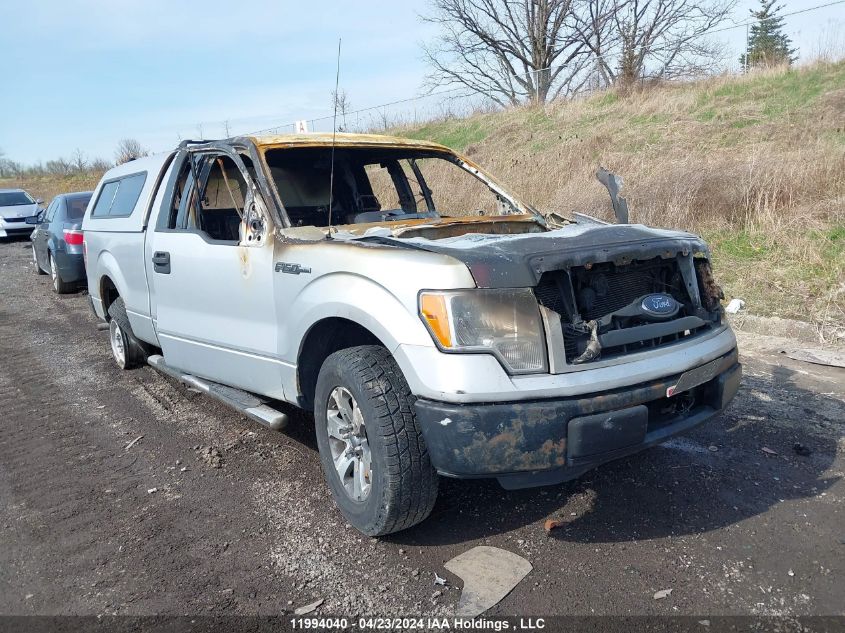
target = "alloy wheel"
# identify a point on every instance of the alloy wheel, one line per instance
(348, 442)
(54, 273)
(118, 348)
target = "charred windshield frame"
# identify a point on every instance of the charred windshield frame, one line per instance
(506, 203)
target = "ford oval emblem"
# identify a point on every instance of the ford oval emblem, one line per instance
(659, 305)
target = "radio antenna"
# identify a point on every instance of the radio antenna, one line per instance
(334, 136)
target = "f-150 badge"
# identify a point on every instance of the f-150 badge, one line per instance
(291, 269)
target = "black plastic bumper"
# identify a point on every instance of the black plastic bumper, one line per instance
(544, 442)
(19, 231)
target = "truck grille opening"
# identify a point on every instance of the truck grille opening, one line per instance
(584, 294)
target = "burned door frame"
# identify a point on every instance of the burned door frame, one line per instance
(215, 315)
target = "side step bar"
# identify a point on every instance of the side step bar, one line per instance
(250, 405)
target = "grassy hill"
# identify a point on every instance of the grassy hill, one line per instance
(755, 164)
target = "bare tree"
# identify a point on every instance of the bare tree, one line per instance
(660, 38)
(99, 165)
(8, 167)
(509, 50)
(59, 167)
(342, 105)
(129, 149)
(78, 161)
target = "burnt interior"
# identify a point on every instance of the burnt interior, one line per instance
(600, 303)
(371, 184)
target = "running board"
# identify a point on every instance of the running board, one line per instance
(250, 405)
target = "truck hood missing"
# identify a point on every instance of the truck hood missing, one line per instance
(519, 260)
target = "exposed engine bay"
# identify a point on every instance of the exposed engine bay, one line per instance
(607, 310)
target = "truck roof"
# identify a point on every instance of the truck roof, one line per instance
(152, 164)
(343, 139)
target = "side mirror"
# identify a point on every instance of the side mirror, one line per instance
(39, 201)
(253, 225)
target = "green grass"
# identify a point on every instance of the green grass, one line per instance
(645, 120)
(831, 245)
(456, 133)
(606, 99)
(738, 125)
(741, 245)
(792, 275)
(776, 94)
(706, 115)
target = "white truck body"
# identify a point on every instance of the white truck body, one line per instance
(261, 309)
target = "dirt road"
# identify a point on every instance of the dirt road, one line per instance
(209, 513)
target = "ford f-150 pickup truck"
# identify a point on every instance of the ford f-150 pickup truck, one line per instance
(434, 324)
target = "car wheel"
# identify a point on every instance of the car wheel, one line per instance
(373, 454)
(59, 287)
(38, 268)
(128, 351)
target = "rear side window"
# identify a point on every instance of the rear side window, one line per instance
(118, 197)
(76, 207)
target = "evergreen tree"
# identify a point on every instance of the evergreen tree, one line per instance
(768, 45)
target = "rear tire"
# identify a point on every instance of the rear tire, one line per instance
(128, 351)
(59, 287)
(364, 411)
(38, 268)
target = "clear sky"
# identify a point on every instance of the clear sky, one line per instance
(86, 73)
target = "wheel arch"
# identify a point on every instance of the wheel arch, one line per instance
(324, 338)
(108, 293)
(110, 281)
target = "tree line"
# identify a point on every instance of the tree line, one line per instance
(78, 163)
(518, 51)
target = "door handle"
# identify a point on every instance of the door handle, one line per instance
(161, 262)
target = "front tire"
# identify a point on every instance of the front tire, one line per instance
(59, 287)
(128, 351)
(373, 454)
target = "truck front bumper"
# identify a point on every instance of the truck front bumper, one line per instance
(544, 442)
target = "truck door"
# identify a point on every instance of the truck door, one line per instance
(212, 296)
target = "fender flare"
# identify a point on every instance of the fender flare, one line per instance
(361, 301)
(107, 266)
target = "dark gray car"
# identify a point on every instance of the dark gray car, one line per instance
(57, 241)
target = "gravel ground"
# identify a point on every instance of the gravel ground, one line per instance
(209, 513)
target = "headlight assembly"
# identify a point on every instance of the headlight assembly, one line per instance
(503, 322)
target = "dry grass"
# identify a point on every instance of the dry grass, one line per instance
(46, 187)
(756, 164)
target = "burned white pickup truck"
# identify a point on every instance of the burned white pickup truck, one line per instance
(433, 323)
